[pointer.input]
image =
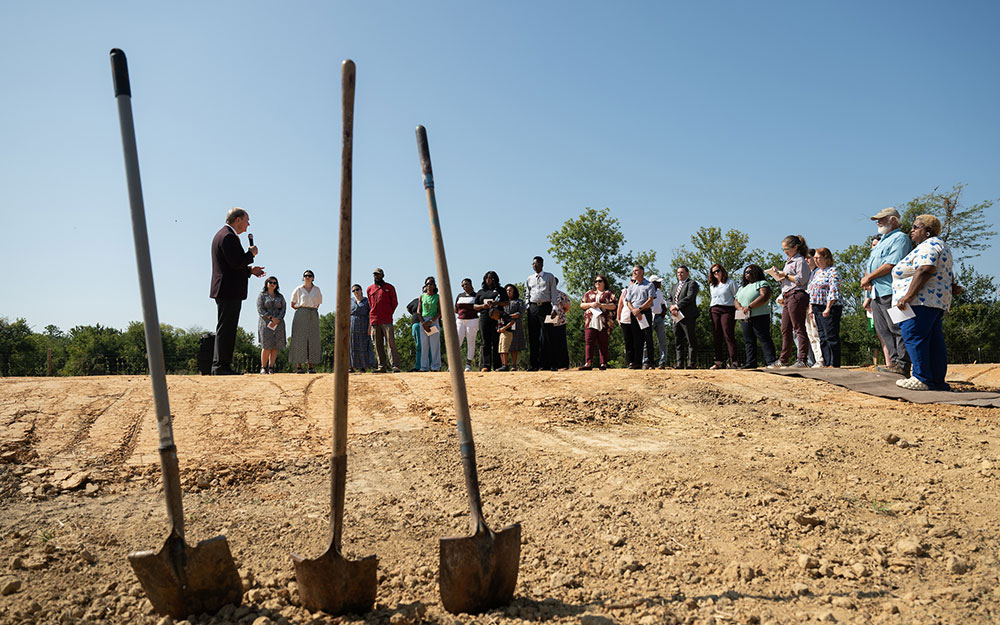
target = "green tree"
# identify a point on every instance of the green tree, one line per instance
(964, 228)
(591, 244)
(93, 350)
(15, 343)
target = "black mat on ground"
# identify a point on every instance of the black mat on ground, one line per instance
(884, 385)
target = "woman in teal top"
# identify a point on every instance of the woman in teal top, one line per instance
(430, 344)
(753, 300)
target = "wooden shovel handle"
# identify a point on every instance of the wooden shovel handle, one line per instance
(455, 365)
(150, 318)
(342, 333)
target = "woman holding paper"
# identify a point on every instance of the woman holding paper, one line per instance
(794, 278)
(922, 286)
(598, 304)
(753, 300)
(270, 324)
(430, 337)
(722, 310)
(304, 346)
(827, 309)
(468, 321)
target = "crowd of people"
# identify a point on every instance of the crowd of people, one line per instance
(908, 283)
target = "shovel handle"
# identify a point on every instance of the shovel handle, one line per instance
(342, 335)
(455, 365)
(150, 319)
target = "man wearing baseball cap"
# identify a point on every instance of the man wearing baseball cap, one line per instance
(382, 299)
(883, 257)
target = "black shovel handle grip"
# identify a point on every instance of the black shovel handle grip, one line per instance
(119, 72)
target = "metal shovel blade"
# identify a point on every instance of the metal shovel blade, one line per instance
(479, 572)
(181, 580)
(336, 585)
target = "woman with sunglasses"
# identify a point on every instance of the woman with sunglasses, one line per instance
(722, 310)
(362, 351)
(304, 346)
(270, 324)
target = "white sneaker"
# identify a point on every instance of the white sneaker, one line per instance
(911, 384)
(817, 366)
(775, 365)
(798, 365)
(468, 367)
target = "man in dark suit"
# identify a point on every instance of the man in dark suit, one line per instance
(685, 301)
(231, 271)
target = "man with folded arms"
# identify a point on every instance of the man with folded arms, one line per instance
(891, 249)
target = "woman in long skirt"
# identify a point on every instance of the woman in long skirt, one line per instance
(304, 345)
(362, 352)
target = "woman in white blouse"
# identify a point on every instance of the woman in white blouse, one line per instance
(304, 345)
(722, 310)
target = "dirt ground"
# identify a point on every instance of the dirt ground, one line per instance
(645, 496)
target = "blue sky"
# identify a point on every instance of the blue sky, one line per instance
(774, 118)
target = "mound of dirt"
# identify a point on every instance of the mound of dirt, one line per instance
(644, 496)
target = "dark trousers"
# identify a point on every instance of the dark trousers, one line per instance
(627, 339)
(489, 356)
(540, 336)
(793, 326)
(755, 329)
(685, 340)
(924, 336)
(596, 338)
(642, 338)
(225, 333)
(560, 348)
(829, 333)
(724, 332)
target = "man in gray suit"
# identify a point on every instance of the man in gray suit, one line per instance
(685, 302)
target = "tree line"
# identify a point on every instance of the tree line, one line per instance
(584, 246)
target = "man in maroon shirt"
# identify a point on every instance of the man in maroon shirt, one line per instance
(382, 299)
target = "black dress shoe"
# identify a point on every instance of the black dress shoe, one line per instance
(226, 371)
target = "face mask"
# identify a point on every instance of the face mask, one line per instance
(884, 229)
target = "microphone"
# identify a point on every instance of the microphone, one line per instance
(250, 237)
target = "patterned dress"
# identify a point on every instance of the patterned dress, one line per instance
(270, 306)
(362, 351)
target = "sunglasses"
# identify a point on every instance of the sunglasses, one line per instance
(356, 290)
(717, 271)
(272, 282)
(308, 275)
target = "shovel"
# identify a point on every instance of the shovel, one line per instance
(331, 582)
(478, 572)
(179, 580)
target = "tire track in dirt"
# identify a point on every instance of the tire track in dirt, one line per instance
(88, 421)
(130, 439)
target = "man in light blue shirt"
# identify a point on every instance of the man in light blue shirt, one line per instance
(895, 244)
(640, 296)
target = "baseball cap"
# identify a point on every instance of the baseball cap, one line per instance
(886, 212)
